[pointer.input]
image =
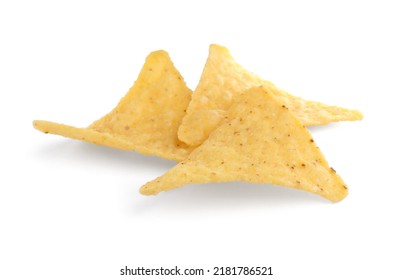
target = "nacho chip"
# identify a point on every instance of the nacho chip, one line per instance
(146, 119)
(260, 141)
(222, 79)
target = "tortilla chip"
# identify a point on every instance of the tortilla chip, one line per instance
(146, 119)
(222, 79)
(260, 141)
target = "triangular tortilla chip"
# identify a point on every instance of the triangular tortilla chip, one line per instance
(146, 119)
(222, 79)
(260, 141)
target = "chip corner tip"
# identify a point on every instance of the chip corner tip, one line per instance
(45, 126)
(147, 191)
(340, 195)
(37, 124)
(158, 53)
(359, 115)
(216, 47)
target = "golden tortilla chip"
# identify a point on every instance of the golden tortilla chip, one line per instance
(260, 141)
(146, 119)
(222, 79)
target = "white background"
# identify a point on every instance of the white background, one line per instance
(72, 210)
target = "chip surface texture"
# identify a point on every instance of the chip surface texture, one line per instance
(223, 79)
(260, 141)
(146, 119)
